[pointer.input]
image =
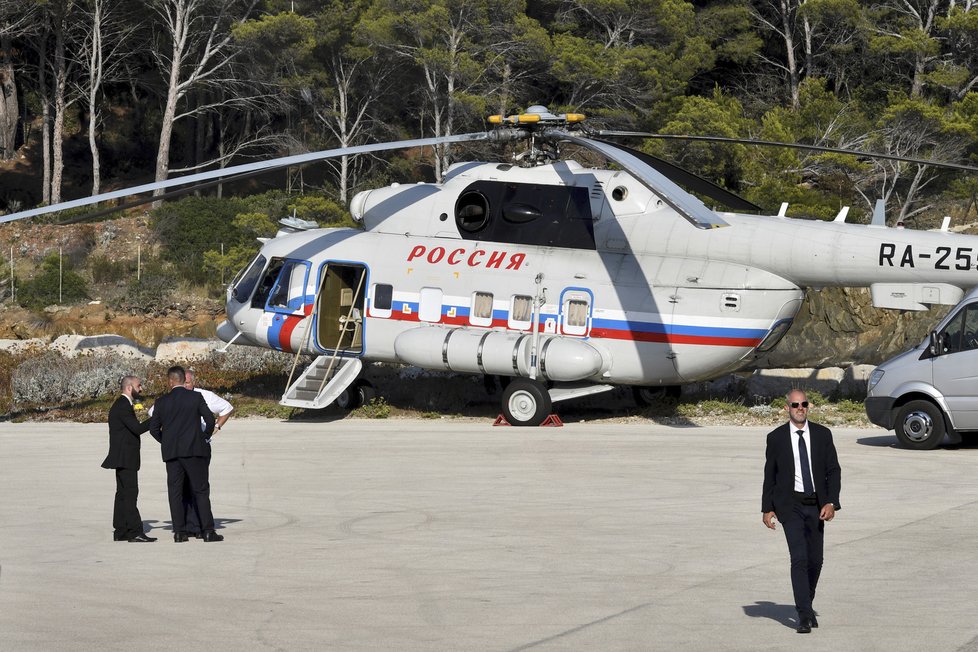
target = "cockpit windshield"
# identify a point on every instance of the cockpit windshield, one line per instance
(241, 290)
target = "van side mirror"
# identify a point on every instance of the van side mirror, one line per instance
(934, 348)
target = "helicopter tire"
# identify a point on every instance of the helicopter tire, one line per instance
(646, 396)
(526, 402)
(356, 395)
(920, 425)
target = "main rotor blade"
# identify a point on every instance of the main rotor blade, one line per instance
(694, 182)
(685, 204)
(774, 143)
(257, 167)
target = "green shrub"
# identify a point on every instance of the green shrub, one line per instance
(377, 408)
(51, 286)
(151, 292)
(106, 270)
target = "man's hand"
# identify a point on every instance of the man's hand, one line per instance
(828, 512)
(770, 520)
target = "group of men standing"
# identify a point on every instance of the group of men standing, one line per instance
(183, 422)
(802, 475)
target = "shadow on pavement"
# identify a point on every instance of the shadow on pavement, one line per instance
(782, 613)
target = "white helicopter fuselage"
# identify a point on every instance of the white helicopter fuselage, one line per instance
(477, 274)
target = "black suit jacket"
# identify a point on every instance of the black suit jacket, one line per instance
(779, 468)
(176, 424)
(124, 431)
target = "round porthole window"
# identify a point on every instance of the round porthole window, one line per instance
(471, 212)
(619, 193)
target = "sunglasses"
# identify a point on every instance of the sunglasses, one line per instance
(796, 404)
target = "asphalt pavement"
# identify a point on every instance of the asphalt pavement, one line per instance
(456, 535)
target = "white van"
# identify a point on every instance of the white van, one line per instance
(931, 390)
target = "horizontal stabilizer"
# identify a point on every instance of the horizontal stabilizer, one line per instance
(914, 296)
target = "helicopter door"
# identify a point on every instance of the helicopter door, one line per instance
(575, 312)
(340, 316)
(285, 303)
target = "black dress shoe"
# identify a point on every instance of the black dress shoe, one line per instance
(211, 535)
(179, 537)
(814, 622)
(805, 627)
(141, 538)
(119, 537)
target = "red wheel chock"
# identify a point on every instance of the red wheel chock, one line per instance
(552, 421)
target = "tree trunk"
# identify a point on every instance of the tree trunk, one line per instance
(169, 114)
(60, 107)
(8, 102)
(95, 83)
(789, 46)
(42, 85)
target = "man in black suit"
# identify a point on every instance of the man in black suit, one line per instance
(176, 424)
(124, 432)
(802, 491)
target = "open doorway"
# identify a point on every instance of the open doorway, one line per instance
(341, 301)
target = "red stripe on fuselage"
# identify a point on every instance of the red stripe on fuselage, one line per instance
(667, 338)
(288, 326)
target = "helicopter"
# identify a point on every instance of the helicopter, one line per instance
(562, 279)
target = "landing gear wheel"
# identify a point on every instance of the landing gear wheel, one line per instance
(920, 425)
(358, 394)
(646, 396)
(526, 402)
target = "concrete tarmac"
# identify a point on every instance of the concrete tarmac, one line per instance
(454, 535)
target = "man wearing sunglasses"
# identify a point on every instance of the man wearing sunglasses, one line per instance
(802, 480)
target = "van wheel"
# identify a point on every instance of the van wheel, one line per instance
(526, 402)
(920, 425)
(356, 395)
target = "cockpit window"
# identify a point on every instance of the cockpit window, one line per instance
(289, 293)
(242, 288)
(267, 281)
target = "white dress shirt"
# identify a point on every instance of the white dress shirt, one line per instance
(799, 484)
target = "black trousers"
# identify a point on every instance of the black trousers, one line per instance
(126, 520)
(804, 532)
(193, 470)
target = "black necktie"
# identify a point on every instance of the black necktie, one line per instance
(806, 472)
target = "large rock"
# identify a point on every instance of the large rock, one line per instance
(839, 327)
(769, 383)
(855, 381)
(73, 345)
(184, 349)
(23, 346)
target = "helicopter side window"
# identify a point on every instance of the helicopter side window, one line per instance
(381, 300)
(481, 312)
(267, 281)
(575, 316)
(472, 212)
(520, 312)
(289, 292)
(242, 288)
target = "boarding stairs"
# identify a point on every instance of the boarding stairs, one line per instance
(322, 382)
